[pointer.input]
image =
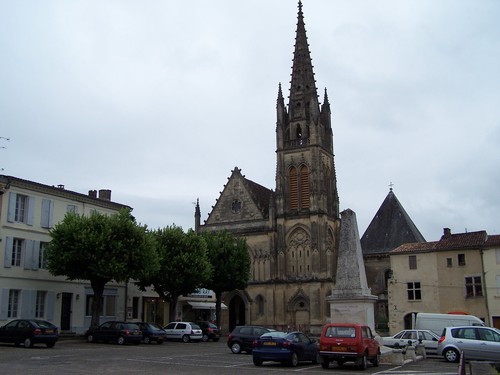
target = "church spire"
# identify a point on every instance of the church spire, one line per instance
(303, 104)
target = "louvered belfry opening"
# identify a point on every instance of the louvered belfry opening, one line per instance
(299, 188)
(294, 189)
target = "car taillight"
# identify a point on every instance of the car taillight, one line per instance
(441, 339)
(255, 343)
(286, 344)
(210, 330)
(37, 331)
(229, 338)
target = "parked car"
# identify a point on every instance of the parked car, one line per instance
(185, 331)
(242, 337)
(400, 340)
(437, 322)
(210, 331)
(152, 332)
(476, 343)
(348, 343)
(285, 347)
(115, 331)
(29, 332)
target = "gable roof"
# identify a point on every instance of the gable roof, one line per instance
(390, 227)
(458, 241)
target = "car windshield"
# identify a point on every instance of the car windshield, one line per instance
(154, 326)
(341, 332)
(274, 335)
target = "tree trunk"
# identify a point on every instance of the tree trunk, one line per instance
(98, 288)
(173, 307)
(218, 302)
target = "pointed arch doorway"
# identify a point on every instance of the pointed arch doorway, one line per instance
(237, 313)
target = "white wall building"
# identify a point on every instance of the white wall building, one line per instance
(27, 290)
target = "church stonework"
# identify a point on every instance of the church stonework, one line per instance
(292, 232)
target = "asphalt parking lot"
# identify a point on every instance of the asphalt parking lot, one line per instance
(82, 358)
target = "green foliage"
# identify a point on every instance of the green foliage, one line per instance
(184, 265)
(230, 259)
(101, 248)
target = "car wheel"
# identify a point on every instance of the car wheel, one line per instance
(363, 362)
(90, 338)
(50, 344)
(120, 340)
(451, 355)
(147, 340)
(375, 361)
(294, 361)
(28, 343)
(257, 362)
(325, 363)
(204, 338)
(186, 338)
(236, 347)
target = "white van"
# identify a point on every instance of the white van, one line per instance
(437, 322)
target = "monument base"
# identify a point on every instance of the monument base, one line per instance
(358, 309)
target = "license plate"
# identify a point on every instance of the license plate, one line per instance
(49, 331)
(339, 349)
(267, 343)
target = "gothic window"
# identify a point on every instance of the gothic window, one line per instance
(260, 305)
(299, 187)
(299, 132)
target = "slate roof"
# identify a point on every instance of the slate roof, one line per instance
(458, 241)
(261, 195)
(390, 227)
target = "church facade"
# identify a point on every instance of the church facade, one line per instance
(292, 231)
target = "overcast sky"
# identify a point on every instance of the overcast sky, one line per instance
(159, 100)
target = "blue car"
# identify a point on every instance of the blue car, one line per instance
(152, 332)
(289, 348)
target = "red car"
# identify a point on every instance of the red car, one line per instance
(348, 343)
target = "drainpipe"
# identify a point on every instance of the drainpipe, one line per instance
(485, 289)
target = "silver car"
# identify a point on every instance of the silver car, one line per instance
(400, 340)
(185, 331)
(476, 343)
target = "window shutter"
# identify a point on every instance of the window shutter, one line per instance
(8, 252)
(36, 255)
(50, 305)
(294, 191)
(12, 207)
(304, 187)
(25, 304)
(28, 254)
(45, 219)
(31, 210)
(4, 302)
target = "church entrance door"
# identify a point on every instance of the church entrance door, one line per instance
(236, 312)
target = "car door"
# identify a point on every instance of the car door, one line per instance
(170, 332)
(179, 330)
(430, 342)
(370, 342)
(308, 347)
(465, 339)
(489, 344)
(102, 332)
(7, 333)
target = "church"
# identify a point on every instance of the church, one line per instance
(292, 232)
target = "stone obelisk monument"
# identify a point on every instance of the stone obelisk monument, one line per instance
(351, 300)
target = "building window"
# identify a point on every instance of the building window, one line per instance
(71, 208)
(304, 187)
(414, 291)
(42, 261)
(473, 286)
(461, 259)
(260, 305)
(135, 308)
(108, 305)
(21, 208)
(449, 262)
(17, 250)
(41, 296)
(13, 306)
(412, 259)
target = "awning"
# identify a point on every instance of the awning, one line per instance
(205, 305)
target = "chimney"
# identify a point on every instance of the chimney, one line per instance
(105, 194)
(446, 233)
(93, 193)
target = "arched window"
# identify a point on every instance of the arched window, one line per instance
(260, 305)
(304, 187)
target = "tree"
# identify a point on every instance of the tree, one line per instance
(100, 248)
(231, 263)
(184, 266)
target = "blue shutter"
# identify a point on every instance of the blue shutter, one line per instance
(36, 255)
(27, 304)
(31, 210)
(28, 254)
(51, 297)
(8, 252)
(4, 302)
(44, 222)
(12, 207)
(51, 209)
